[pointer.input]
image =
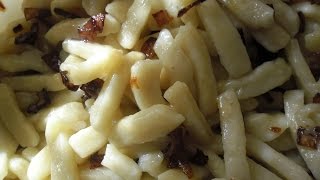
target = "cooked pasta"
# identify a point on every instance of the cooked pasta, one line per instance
(159, 89)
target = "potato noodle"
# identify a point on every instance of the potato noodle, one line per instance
(159, 89)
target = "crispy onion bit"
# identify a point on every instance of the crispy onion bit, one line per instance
(52, 60)
(2, 7)
(95, 160)
(187, 8)
(28, 37)
(92, 88)
(308, 137)
(66, 82)
(176, 154)
(36, 13)
(17, 28)
(147, 48)
(43, 101)
(316, 98)
(65, 13)
(162, 17)
(92, 27)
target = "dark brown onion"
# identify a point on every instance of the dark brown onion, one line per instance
(147, 48)
(162, 17)
(187, 8)
(66, 82)
(95, 160)
(308, 137)
(92, 88)
(92, 27)
(52, 59)
(176, 154)
(28, 37)
(43, 101)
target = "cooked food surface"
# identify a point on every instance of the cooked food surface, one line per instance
(159, 89)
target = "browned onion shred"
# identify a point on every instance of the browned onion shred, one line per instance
(43, 101)
(29, 37)
(187, 8)
(92, 27)
(162, 17)
(92, 88)
(186, 168)
(308, 137)
(52, 59)
(147, 48)
(66, 82)
(176, 154)
(95, 160)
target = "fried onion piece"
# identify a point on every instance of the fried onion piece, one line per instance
(66, 82)
(162, 17)
(92, 27)
(147, 48)
(28, 37)
(92, 88)
(187, 8)
(308, 137)
(43, 101)
(52, 59)
(95, 160)
(176, 154)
